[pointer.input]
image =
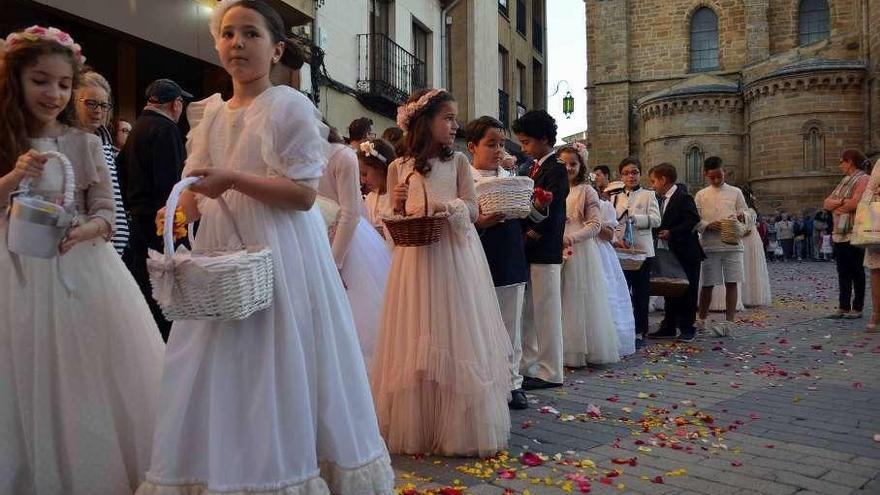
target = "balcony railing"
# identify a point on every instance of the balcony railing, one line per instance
(504, 108)
(387, 73)
(520, 110)
(537, 35)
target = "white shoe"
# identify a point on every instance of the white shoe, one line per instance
(723, 328)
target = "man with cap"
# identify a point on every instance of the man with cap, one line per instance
(149, 165)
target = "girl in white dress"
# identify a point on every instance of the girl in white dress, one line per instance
(374, 176)
(588, 331)
(80, 354)
(755, 289)
(361, 255)
(277, 403)
(440, 373)
(615, 282)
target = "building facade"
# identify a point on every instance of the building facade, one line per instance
(777, 88)
(133, 42)
(498, 64)
(368, 55)
(376, 52)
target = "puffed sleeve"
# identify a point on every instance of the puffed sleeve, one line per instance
(294, 140)
(467, 192)
(463, 209)
(200, 115)
(592, 217)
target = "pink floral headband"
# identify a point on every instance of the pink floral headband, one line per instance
(406, 112)
(36, 33)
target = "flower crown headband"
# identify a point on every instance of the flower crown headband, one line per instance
(369, 149)
(36, 33)
(406, 112)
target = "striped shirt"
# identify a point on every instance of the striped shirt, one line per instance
(121, 232)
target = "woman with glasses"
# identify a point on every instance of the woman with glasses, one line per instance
(93, 109)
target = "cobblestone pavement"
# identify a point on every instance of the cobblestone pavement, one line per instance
(788, 405)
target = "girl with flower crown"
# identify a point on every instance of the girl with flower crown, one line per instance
(361, 254)
(80, 355)
(277, 403)
(588, 331)
(440, 373)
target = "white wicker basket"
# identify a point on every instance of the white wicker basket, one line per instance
(510, 196)
(37, 225)
(210, 284)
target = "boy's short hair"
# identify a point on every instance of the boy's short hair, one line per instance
(476, 130)
(712, 163)
(359, 128)
(604, 169)
(630, 160)
(665, 170)
(537, 124)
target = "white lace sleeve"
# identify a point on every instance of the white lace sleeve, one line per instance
(294, 140)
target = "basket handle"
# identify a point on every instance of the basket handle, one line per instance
(67, 172)
(424, 193)
(171, 206)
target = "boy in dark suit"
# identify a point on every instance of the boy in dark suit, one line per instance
(503, 244)
(679, 216)
(542, 327)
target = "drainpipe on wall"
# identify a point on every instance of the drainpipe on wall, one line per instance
(444, 63)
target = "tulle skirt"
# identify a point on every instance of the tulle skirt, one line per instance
(365, 273)
(277, 403)
(79, 374)
(756, 288)
(618, 300)
(588, 330)
(440, 374)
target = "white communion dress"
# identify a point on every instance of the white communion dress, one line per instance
(80, 353)
(277, 403)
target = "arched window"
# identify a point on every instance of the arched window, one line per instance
(694, 166)
(814, 148)
(704, 40)
(813, 21)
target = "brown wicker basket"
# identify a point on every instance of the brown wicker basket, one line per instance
(415, 231)
(668, 287)
(732, 230)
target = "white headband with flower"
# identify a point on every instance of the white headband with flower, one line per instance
(217, 16)
(36, 33)
(369, 149)
(406, 112)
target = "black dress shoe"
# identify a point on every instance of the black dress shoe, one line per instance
(663, 333)
(530, 383)
(640, 343)
(688, 335)
(518, 400)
